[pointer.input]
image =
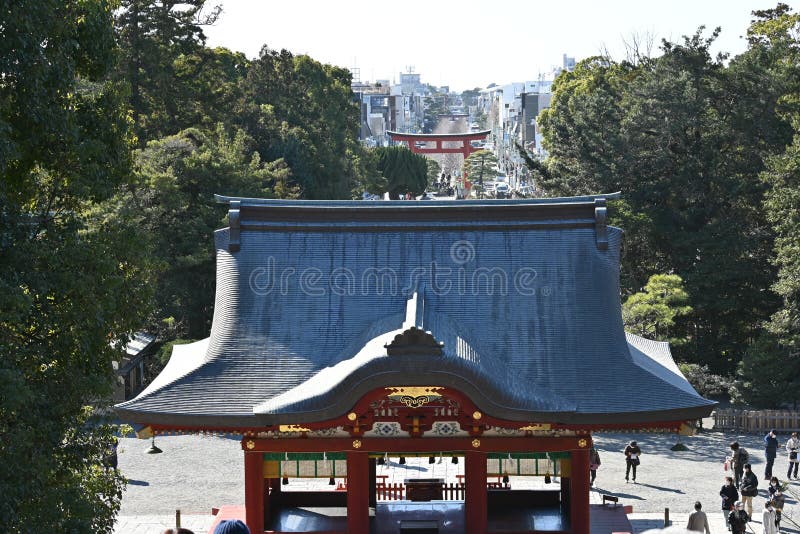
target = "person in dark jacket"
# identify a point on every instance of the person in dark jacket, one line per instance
(737, 462)
(729, 497)
(632, 453)
(738, 518)
(771, 451)
(749, 488)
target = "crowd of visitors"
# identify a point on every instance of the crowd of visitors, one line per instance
(738, 491)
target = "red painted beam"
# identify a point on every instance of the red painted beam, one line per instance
(472, 136)
(438, 150)
(399, 445)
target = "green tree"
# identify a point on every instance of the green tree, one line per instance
(470, 96)
(172, 201)
(156, 37)
(777, 32)
(480, 167)
(366, 176)
(767, 376)
(302, 111)
(404, 170)
(653, 312)
(684, 138)
(71, 282)
(434, 172)
(704, 381)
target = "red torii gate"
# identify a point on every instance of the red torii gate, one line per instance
(465, 149)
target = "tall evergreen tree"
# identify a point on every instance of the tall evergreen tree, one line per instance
(302, 111)
(153, 35)
(679, 136)
(71, 283)
(172, 202)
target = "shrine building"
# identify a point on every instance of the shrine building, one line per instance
(350, 334)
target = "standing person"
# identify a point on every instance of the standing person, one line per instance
(738, 518)
(749, 488)
(594, 463)
(771, 451)
(632, 453)
(777, 498)
(739, 457)
(792, 447)
(768, 520)
(729, 496)
(698, 522)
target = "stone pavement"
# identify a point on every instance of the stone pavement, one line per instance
(197, 473)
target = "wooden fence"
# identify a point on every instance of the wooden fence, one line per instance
(454, 491)
(783, 421)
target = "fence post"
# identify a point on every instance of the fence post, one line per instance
(177, 519)
(666, 517)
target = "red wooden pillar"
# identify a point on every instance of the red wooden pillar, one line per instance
(579, 491)
(254, 491)
(357, 493)
(465, 148)
(475, 512)
(373, 483)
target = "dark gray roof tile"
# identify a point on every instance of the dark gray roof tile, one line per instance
(524, 296)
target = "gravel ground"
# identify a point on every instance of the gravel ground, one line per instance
(196, 473)
(193, 474)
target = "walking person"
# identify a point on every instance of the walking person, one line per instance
(771, 451)
(768, 521)
(739, 457)
(632, 453)
(738, 518)
(792, 447)
(698, 522)
(729, 496)
(594, 463)
(749, 488)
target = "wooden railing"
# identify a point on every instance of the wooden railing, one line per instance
(783, 421)
(390, 492)
(454, 491)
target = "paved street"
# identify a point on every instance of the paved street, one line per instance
(197, 473)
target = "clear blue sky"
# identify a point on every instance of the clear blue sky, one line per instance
(469, 43)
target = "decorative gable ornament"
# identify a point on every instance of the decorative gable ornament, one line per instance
(415, 342)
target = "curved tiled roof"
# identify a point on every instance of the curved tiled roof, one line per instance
(522, 296)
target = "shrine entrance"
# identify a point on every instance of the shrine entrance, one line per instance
(408, 490)
(417, 457)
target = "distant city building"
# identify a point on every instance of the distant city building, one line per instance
(568, 63)
(410, 83)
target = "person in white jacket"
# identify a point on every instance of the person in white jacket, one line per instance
(768, 519)
(793, 449)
